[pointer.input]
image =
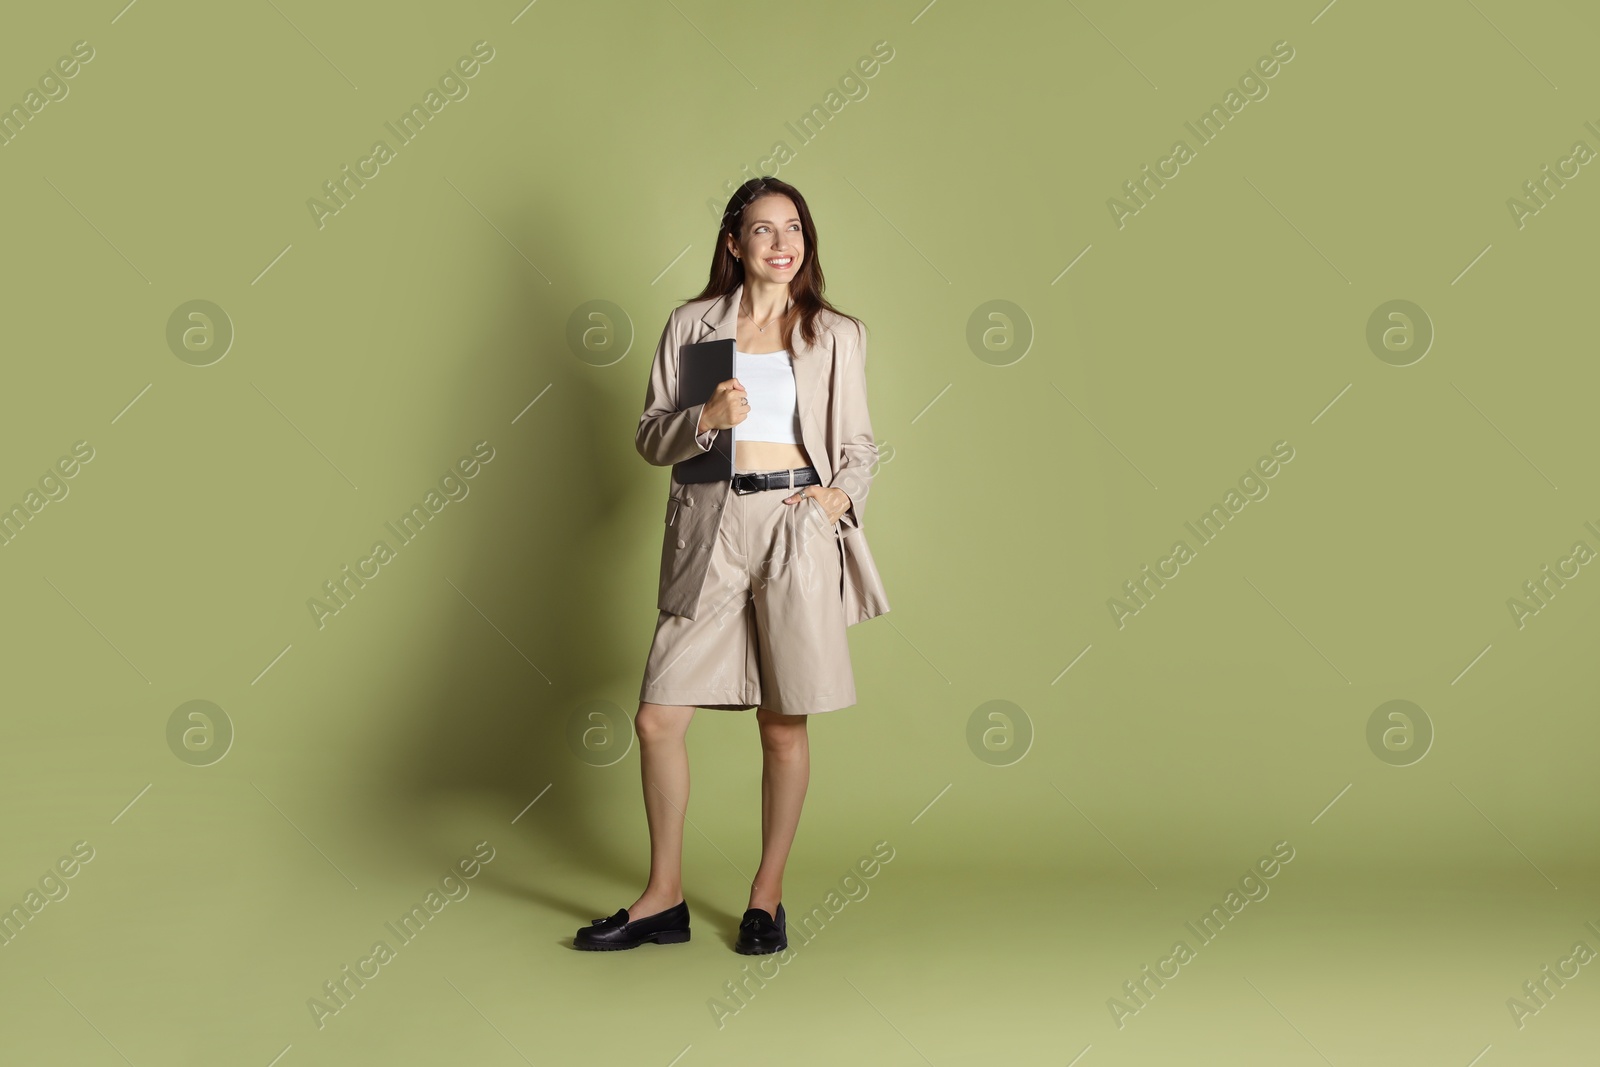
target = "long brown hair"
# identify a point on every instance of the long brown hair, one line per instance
(727, 271)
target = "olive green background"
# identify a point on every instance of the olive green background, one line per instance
(504, 278)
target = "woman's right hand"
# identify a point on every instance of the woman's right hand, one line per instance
(727, 407)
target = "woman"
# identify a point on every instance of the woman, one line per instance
(760, 574)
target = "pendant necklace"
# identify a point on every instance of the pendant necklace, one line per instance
(760, 328)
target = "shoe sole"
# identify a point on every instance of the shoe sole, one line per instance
(665, 937)
(760, 951)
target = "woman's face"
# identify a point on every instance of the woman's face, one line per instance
(770, 244)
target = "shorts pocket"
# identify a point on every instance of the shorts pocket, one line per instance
(822, 517)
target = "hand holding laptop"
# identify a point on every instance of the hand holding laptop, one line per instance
(727, 407)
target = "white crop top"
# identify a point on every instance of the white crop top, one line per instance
(768, 380)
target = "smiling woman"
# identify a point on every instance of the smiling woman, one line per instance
(765, 563)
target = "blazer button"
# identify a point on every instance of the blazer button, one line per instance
(689, 501)
(681, 542)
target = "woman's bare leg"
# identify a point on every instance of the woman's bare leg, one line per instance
(785, 771)
(664, 769)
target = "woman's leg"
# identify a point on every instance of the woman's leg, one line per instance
(664, 768)
(785, 770)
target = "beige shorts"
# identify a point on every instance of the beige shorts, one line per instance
(770, 628)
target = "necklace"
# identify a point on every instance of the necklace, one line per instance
(760, 328)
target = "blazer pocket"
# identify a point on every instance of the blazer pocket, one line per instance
(673, 504)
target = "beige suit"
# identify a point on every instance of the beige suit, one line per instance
(830, 380)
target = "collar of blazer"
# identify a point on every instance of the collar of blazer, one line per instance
(809, 361)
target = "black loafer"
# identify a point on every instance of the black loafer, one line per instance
(760, 933)
(615, 931)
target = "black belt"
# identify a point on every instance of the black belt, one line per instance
(755, 483)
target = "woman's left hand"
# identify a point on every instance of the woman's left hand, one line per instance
(833, 501)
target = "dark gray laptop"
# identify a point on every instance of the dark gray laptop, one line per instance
(701, 366)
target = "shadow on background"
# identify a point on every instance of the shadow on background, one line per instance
(489, 729)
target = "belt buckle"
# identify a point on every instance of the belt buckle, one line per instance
(741, 492)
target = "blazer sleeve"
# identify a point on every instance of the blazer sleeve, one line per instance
(666, 435)
(856, 444)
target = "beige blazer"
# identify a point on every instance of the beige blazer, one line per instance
(830, 383)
